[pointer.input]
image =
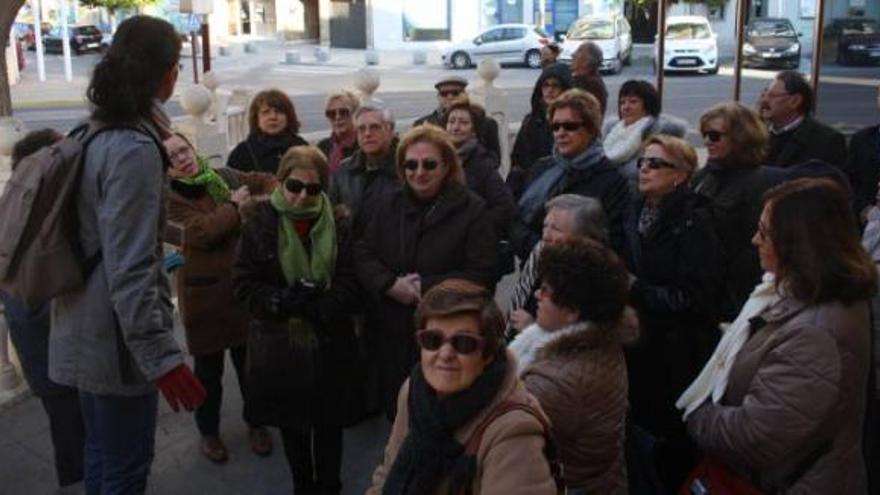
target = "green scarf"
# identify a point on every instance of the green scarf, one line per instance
(208, 177)
(296, 263)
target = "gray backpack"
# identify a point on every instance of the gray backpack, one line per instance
(40, 253)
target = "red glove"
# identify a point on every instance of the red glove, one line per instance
(181, 387)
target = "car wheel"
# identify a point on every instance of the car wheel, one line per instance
(617, 67)
(713, 70)
(533, 59)
(460, 60)
(629, 58)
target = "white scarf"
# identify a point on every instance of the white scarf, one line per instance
(530, 341)
(624, 141)
(712, 381)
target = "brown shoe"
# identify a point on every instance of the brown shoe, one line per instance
(214, 449)
(261, 441)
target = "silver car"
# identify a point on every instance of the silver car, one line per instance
(506, 43)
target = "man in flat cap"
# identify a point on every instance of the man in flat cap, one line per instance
(448, 89)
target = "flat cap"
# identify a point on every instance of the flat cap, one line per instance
(457, 80)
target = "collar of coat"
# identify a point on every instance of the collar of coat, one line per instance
(779, 313)
(579, 338)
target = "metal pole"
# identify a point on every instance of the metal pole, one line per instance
(206, 44)
(38, 41)
(741, 12)
(195, 45)
(661, 45)
(818, 32)
(65, 42)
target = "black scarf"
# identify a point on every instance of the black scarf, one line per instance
(430, 452)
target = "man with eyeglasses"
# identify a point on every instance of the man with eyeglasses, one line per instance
(448, 90)
(370, 172)
(795, 136)
(578, 165)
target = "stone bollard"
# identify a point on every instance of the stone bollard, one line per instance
(420, 57)
(322, 54)
(292, 58)
(250, 47)
(366, 82)
(371, 57)
(212, 82)
(208, 139)
(492, 100)
(225, 51)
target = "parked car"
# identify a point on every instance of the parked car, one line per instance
(507, 43)
(771, 42)
(854, 40)
(82, 39)
(691, 46)
(611, 32)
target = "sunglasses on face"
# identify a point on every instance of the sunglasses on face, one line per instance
(296, 186)
(429, 164)
(341, 113)
(450, 93)
(462, 343)
(653, 163)
(713, 136)
(568, 126)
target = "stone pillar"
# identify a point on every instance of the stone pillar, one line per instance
(209, 141)
(366, 82)
(493, 100)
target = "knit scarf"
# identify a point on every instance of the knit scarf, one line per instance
(316, 265)
(210, 179)
(624, 141)
(430, 453)
(531, 204)
(712, 381)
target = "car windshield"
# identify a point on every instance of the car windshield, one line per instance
(772, 29)
(591, 30)
(88, 31)
(687, 31)
(860, 27)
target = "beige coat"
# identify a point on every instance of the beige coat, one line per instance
(510, 460)
(791, 417)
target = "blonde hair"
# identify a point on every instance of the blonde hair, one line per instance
(308, 158)
(583, 103)
(683, 155)
(429, 133)
(747, 133)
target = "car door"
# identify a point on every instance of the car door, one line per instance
(489, 44)
(514, 44)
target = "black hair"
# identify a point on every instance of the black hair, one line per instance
(644, 91)
(795, 84)
(32, 142)
(127, 78)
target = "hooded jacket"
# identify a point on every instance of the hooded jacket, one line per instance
(535, 139)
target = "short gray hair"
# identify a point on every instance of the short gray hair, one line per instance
(593, 50)
(587, 214)
(374, 105)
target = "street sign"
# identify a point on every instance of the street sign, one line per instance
(196, 7)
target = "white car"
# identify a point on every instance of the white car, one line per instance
(611, 32)
(506, 43)
(691, 46)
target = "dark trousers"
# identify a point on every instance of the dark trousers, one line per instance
(315, 458)
(29, 331)
(120, 436)
(209, 371)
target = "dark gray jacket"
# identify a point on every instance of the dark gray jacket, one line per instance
(354, 185)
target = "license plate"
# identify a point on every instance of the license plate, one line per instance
(92, 45)
(772, 55)
(687, 61)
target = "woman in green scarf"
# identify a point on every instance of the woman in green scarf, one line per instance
(207, 204)
(294, 274)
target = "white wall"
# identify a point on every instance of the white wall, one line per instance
(387, 28)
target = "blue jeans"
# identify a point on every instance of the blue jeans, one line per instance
(120, 435)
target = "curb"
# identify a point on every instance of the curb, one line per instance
(40, 104)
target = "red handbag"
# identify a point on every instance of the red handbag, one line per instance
(713, 478)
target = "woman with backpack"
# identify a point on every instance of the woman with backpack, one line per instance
(465, 422)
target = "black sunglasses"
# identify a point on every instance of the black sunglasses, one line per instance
(450, 92)
(713, 136)
(296, 186)
(568, 126)
(462, 343)
(653, 163)
(341, 113)
(427, 164)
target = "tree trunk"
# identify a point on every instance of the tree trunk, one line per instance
(7, 17)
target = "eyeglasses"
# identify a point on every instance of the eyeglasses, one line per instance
(296, 186)
(449, 93)
(178, 154)
(341, 113)
(374, 127)
(568, 126)
(429, 164)
(653, 163)
(462, 343)
(713, 136)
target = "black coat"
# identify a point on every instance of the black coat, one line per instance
(736, 193)
(451, 237)
(602, 181)
(261, 153)
(358, 188)
(677, 267)
(810, 140)
(864, 165)
(258, 279)
(481, 173)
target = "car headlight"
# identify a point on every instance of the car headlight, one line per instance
(858, 47)
(748, 48)
(794, 48)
